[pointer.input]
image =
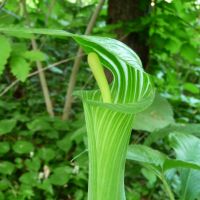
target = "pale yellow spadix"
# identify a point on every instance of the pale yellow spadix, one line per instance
(99, 75)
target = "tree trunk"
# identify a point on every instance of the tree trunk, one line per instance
(134, 35)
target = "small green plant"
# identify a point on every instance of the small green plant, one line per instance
(109, 113)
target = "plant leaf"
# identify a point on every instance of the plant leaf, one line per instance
(34, 55)
(20, 68)
(4, 147)
(183, 128)
(144, 154)
(187, 148)
(5, 49)
(46, 154)
(24, 32)
(60, 175)
(6, 167)
(160, 161)
(22, 147)
(156, 116)
(189, 52)
(7, 125)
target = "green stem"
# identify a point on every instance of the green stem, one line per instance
(167, 188)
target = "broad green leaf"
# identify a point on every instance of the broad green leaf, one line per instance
(6, 167)
(26, 191)
(187, 148)
(183, 128)
(34, 55)
(46, 154)
(191, 87)
(33, 164)
(65, 143)
(173, 45)
(160, 161)
(146, 154)
(39, 124)
(4, 147)
(46, 185)
(189, 52)
(24, 32)
(5, 49)
(4, 184)
(29, 178)
(157, 116)
(179, 163)
(7, 125)
(59, 124)
(20, 68)
(60, 175)
(22, 147)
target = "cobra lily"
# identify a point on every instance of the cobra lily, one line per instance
(110, 111)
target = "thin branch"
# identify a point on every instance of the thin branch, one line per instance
(75, 68)
(35, 73)
(43, 81)
(9, 87)
(50, 8)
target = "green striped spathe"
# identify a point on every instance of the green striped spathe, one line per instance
(109, 125)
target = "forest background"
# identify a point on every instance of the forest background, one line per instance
(42, 128)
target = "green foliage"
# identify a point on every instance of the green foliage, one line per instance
(7, 125)
(4, 147)
(34, 55)
(36, 164)
(22, 147)
(159, 164)
(157, 116)
(46, 154)
(188, 52)
(182, 128)
(6, 167)
(159, 161)
(53, 147)
(61, 175)
(187, 148)
(5, 50)
(20, 68)
(174, 38)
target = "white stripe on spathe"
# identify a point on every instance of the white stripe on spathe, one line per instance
(130, 83)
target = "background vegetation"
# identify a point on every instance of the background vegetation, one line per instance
(43, 155)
